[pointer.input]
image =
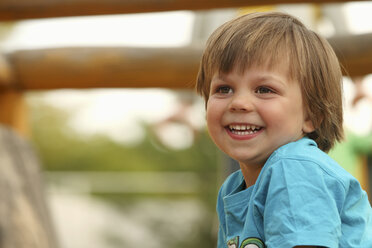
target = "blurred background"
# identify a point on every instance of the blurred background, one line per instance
(103, 94)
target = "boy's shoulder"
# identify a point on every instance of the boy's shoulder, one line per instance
(304, 154)
(304, 148)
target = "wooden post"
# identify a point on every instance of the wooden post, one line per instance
(24, 215)
(369, 177)
(12, 106)
(13, 111)
(362, 174)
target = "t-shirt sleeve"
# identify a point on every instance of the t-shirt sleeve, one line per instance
(299, 205)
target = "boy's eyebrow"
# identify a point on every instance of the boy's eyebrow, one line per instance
(266, 77)
(220, 77)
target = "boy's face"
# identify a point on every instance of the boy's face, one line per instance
(251, 114)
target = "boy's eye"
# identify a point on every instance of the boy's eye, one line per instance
(264, 90)
(224, 90)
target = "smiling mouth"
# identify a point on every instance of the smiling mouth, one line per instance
(243, 129)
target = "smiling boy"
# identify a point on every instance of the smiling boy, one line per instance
(273, 99)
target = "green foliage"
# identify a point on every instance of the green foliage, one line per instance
(60, 148)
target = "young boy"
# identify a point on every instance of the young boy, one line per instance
(273, 99)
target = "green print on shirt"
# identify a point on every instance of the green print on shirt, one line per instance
(233, 243)
(247, 243)
(252, 243)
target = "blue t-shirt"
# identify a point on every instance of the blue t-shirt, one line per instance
(301, 197)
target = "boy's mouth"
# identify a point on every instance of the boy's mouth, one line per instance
(243, 129)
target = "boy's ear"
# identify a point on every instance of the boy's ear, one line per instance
(308, 125)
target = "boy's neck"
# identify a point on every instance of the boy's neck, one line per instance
(250, 173)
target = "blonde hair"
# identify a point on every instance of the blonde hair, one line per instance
(272, 37)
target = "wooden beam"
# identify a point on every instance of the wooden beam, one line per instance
(98, 67)
(118, 67)
(354, 53)
(26, 9)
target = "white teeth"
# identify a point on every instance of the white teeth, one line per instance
(243, 129)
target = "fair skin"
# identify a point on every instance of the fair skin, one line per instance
(251, 114)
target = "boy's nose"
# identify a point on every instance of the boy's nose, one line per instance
(241, 103)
